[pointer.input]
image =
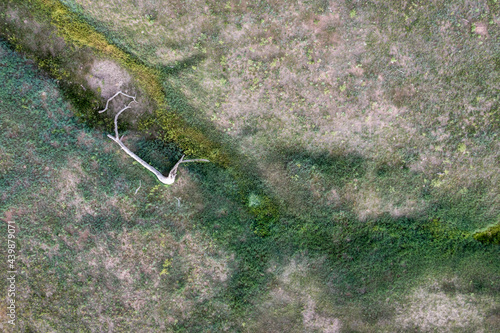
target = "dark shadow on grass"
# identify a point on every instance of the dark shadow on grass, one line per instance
(338, 167)
(161, 155)
(181, 65)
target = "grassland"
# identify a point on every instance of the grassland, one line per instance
(361, 154)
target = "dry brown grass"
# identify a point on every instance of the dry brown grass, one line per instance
(33, 32)
(203, 268)
(107, 77)
(66, 189)
(131, 19)
(124, 264)
(432, 307)
(294, 302)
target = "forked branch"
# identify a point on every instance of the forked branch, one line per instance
(172, 174)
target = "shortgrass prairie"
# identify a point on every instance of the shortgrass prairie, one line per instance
(373, 125)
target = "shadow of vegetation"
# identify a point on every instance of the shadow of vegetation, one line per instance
(161, 155)
(339, 168)
(179, 66)
(364, 257)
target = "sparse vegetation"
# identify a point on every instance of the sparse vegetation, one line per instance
(355, 178)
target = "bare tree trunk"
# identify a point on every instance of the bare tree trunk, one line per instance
(173, 172)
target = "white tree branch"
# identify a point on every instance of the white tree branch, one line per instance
(172, 174)
(112, 97)
(138, 187)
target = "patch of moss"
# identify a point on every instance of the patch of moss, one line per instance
(440, 231)
(489, 236)
(266, 214)
(84, 100)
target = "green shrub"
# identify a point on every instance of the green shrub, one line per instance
(266, 214)
(489, 236)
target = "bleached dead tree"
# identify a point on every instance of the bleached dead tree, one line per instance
(172, 174)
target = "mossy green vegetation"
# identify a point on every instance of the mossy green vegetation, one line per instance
(266, 215)
(78, 34)
(489, 236)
